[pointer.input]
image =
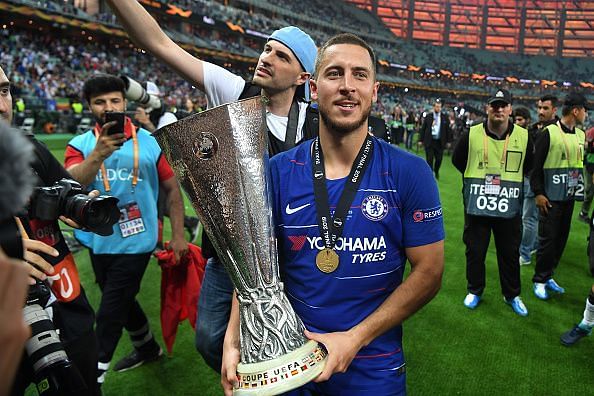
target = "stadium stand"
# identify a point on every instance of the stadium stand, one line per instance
(412, 72)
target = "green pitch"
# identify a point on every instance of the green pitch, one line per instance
(450, 350)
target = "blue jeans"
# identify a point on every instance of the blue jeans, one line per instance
(529, 223)
(214, 308)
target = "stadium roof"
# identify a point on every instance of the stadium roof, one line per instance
(556, 28)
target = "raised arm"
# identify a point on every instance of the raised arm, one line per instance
(146, 33)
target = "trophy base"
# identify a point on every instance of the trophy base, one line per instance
(282, 374)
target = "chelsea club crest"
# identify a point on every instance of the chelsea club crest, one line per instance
(374, 207)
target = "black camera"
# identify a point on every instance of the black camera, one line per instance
(54, 372)
(68, 198)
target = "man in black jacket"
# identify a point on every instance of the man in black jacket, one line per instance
(435, 134)
(48, 258)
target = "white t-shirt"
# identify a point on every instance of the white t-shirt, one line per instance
(221, 87)
(166, 119)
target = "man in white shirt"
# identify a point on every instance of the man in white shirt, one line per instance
(281, 75)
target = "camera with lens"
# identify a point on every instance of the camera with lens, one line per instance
(135, 92)
(68, 198)
(54, 373)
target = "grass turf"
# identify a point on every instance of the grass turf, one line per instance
(450, 350)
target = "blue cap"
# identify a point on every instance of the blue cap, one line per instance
(302, 46)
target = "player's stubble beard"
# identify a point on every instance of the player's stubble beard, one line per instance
(344, 128)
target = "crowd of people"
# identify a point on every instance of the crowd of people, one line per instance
(86, 55)
(322, 97)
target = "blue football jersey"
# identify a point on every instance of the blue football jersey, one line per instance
(396, 206)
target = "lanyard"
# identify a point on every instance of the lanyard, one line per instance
(292, 121)
(577, 150)
(106, 184)
(290, 132)
(330, 232)
(486, 150)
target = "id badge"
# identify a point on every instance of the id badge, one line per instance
(131, 222)
(573, 178)
(492, 184)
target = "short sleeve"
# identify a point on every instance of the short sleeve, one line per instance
(164, 169)
(220, 85)
(422, 213)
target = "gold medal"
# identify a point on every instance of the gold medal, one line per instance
(327, 260)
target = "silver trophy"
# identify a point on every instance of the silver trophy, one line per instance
(220, 157)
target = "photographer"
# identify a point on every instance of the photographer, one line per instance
(128, 164)
(13, 330)
(150, 118)
(49, 259)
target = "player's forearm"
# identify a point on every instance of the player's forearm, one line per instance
(86, 171)
(175, 205)
(418, 289)
(232, 334)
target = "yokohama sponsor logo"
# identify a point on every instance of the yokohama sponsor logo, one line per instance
(350, 244)
(344, 244)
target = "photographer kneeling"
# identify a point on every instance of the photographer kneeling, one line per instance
(67, 308)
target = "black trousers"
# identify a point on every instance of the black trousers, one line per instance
(434, 155)
(82, 352)
(508, 235)
(119, 277)
(553, 231)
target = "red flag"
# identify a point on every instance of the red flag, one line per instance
(180, 289)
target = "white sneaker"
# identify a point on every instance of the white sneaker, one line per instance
(524, 261)
(517, 305)
(471, 301)
(540, 291)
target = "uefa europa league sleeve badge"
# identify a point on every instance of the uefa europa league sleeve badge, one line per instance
(220, 158)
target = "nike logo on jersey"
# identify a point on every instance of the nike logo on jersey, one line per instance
(291, 211)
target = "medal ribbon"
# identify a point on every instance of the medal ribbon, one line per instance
(106, 184)
(331, 228)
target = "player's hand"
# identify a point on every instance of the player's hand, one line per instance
(37, 267)
(179, 246)
(342, 348)
(543, 204)
(72, 223)
(107, 144)
(231, 356)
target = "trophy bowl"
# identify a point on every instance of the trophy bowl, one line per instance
(220, 158)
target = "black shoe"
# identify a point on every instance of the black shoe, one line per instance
(574, 335)
(136, 359)
(584, 217)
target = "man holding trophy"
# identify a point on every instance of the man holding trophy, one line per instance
(349, 211)
(281, 76)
